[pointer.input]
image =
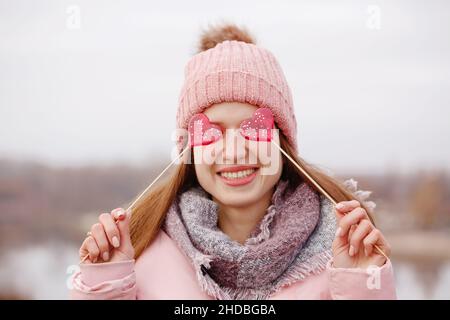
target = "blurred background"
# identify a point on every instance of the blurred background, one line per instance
(89, 90)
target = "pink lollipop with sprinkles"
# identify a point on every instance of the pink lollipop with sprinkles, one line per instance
(259, 126)
(202, 132)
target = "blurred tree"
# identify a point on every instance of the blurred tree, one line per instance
(428, 200)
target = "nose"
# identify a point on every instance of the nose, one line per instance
(234, 147)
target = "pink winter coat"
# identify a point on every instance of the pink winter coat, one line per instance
(164, 272)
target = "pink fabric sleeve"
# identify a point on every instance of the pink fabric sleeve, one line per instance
(109, 280)
(354, 283)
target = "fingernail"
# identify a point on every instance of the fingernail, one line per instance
(338, 232)
(105, 256)
(339, 206)
(115, 242)
(351, 251)
(119, 212)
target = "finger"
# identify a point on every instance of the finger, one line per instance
(100, 237)
(346, 206)
(375, 237)
(83, 252)
(354, 217)
(350, 232)
(111, 230)
(361, 231)
(123, 225)
(340, 241)
(118, 214)
(93, 250)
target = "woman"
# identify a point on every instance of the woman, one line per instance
(230, 228)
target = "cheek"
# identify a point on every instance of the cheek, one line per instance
(206, 155)
(205, 176)
(268, 156)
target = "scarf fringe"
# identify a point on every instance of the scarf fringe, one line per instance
(313, 266)
(362, 195)
(265, 232)
(208, 285)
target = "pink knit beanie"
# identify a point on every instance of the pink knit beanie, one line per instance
(237, 71)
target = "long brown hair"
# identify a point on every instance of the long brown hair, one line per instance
(149, 213)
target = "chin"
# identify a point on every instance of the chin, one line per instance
(235, 198)
(236, 194)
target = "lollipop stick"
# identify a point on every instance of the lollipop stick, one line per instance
(148, 188)
(322, 190)
(156, 179)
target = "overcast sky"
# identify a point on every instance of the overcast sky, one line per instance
(370, 79)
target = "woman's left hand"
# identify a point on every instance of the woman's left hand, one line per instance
(356, 237)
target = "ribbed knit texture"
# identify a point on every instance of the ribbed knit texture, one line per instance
(235, 71)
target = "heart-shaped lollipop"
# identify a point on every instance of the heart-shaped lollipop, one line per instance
(202, 132)
(259, 126)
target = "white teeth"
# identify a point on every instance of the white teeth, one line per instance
(237, 174)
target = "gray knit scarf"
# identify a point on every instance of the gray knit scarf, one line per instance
(291, 242)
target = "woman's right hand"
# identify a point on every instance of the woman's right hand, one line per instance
(109, 241)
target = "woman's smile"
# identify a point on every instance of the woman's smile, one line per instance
(238, 175)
